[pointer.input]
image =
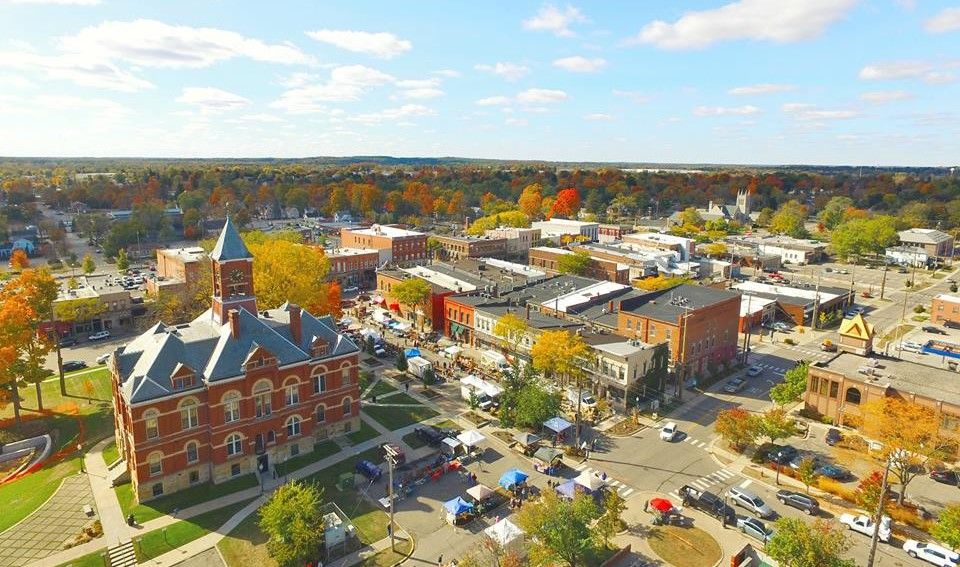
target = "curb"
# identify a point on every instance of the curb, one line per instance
(413, 547)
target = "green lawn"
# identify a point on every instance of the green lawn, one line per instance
(402, 398)
(365, 433)
(320, 451)
(156, 543)
(394, 418)
(178, 500)
(246, 545)
(111, 453)
(381, 388)
(94, 559)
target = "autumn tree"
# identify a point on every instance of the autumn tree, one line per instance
(123, 263)
(833, 213)
(15, 331)
(511, 330)
(660, 282)
(738, 427)
(530, 200)
(577, 263)
(292, 520)
(909, 434)
(37, 290)
(807, 472)
(789, 220)
(285, 270)
(561, 356)
(19, 260)
(413, 293)
(870, 491)
(566, 205)
(716, 250)
(515, 219)
(793, 385)
(947, 528)
(796, 543)
(88, 265)
(560, 530)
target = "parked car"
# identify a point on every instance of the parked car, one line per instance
(834, 472)
(71, 365)
(833, 436)
(931, 553)
(429, 435)
(99, 336)
(755, 371)
(951, 324)
(945, 477)
(754, 528)
(369, 470)
(798, 460)
(806, 504)
(782, 327)
(734, 386)
(828, 269)
(669, 431)
(707, 502)
(864, 524)
(68, 341)
(782, 454)
(932, 329)
(748, 499)
(103, 358)
(911, 346)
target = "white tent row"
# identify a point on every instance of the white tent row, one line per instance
(489, 388)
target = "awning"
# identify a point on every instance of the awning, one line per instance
(479, 492)
(452, 443)
(589, 481)
(503, 532)
(512, 477)
(402, 327)
(557, 424)
(453, 351)
(471, 438)
(457, 506)
(411, 352)
(456, 328)
(394, 307)
(377, 299)
(567, 489)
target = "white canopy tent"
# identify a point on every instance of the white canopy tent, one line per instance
(480, 492)
(504, 532)
(471, 438)
(589, 481)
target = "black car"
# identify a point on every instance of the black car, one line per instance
(945, 477)
(833, 436)
(71, 365)
(782, 455)
(800, 501)
(951, 325)
(932, 329)
(68, 341)
(429, 435)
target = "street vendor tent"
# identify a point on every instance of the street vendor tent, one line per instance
(548, 455)
(512, 477)
(526, 439)
(411, 352)
(557, 424)
(457, 506)
(452, 351)
(471, 438)
(503, 532)
(589, 481)
(661, 505)
(401, 327)
(380, 315)
(367, 333)
(567, 489)
(449, 446)
(480, 492)
(347, 321)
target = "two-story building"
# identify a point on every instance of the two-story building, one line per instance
(936, 243)
(456, 247)
(177, 269)
(397, 245)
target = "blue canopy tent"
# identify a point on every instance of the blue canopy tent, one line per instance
(411, 352)
(457, 506)
(512, 477)
(567, 489)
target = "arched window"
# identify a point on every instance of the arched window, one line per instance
(853, 396)
(261, 399)
(193, 453)
(347, 402)
(321, 413)
(155, 461)
(189, 414)
(231, 407)
(293, 426)
(150, 419)
(291, 392)
(234, 444)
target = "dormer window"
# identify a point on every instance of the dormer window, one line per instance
(319, 348)
(182, 377)
(259, 358)
(181, 383)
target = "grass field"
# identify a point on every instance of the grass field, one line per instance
(94, 559)
(62, 419)
(394, 418)
(111, 453)
(684, 546)
(178, 500)
(365, 433)
(246, 545)
(415, 442)
(381, 388)
(320, 451)
(156, 543)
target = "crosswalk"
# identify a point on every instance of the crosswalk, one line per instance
(775, 369)
(716, 477)
(623, 489)
(688, 439)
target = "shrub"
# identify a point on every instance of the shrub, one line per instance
(919, 309)
(789, 341)
(836, 488)
(854, 442)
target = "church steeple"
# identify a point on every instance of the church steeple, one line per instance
(232, 274)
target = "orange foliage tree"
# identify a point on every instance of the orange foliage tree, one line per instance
(530, 200)
(566, 205)
(19, 260)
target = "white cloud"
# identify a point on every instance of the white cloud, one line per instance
(394, 114)
(262, 118)
(636, 96)
(762, 20)
(598, 116)
(419, 88)
(881, 97)
(946, 20)
(895, 70)
(16, 82)
(448, 73)
(382, 44)
(58, 2)
(421, 94)
(810, 113)
(516, 121)
(552, 19)
(77, 69)
(298, 79)
(418, 83)
(156, 44)
(939, 77)
(761, 89)
(346, 83)
(507, 70)
(725, 110)
(211, 99)
(580, 64)
(494, 101)
(539, 96)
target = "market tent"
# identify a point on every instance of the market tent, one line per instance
(395, 307)
(380, 315)
(479, 492)
(457, 506)
(411, 352)
(366, 333)
(402, 327)
(452, 351)
(503, 532)
(557, 424)
(661, 505)
(347, 321)
(471, 438)
(526, 439)
(449, 446)
(548, 455)
(512, 477)
(567, 489)
(589, 481)
(377, 299)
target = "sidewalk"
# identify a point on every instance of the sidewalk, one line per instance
(115, 528)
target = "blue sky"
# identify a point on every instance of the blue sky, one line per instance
(871, 82)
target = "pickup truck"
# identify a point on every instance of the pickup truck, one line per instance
(709, 503)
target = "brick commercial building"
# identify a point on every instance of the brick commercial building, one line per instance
(945, 308)
(556, 228)
(397, 245)
(354, 267)
(177, 269)
(799, 304)
(935, 243)
(613, 232)
(96, 304)
(456, 247)
(233, 392)
(519, 240)
(548, 260)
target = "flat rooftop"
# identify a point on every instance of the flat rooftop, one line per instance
(344, 252)
(187, 255)
(568, 222)
(806, 294)
(386, 231)
(902, 375)
(948, 297)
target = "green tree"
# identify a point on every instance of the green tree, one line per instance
(833, 212)
(863, 235)
(947, 528)
(807, 472)
(561, 356)
(122, 261)
(559, 530)
(89, 265)
(412, 292)
(789, 220)
(401, 362)
(292, 520)
(691, 217)
(611, 522)
(534, 405)
(738, 427)
(793, 386)
(796, 543)
(716, 250)
(765, 216)
(776, 424)
(576, 264)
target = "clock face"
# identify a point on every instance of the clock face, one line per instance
(236, 276)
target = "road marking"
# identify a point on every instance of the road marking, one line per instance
(627, 492)
(702, 445)
(702, 484)
(746, 483)
(676, 495)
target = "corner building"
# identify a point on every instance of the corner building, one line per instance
(233, 392)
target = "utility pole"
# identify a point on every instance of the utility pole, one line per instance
(878, 515)
(883, 281)
(391, 455)
(746, 338)
(816, 303)
(903, 318)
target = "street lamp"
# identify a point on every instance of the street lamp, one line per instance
(80, 452)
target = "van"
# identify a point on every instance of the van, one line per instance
(749, 500)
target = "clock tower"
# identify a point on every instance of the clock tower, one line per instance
(232, 275)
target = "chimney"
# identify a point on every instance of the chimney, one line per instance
(233, 319)
(295, 328)
(610, 306)
(528, 312)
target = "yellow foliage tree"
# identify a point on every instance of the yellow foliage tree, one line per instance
(510, 329)
(658, 282)
(506, 218)
(530, 199)
(288, 271)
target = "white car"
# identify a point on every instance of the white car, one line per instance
(669, 431)
(864, 524)
(103, 358)
(755, 371)
(99, 335)
(932, 553)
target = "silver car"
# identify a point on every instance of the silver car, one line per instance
(749, 500)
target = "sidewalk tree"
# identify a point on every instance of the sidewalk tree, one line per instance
(561, 355)
(292, 520)
(796, 543)
(534, 405)
(793, 386)
(37, 291)
(611, 522)
(401, 362)
(738, 427)
(869, 491)
(559, 530)
(412, 292)
(947, 528)
(909, 434)
(122, 261)
(89, 265)
(775, 425)
(576, 264)
(511, 329)
(807, 472)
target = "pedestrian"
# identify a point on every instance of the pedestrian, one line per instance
(406, 386)
(646, 506)
(593, 444)
(440, 560)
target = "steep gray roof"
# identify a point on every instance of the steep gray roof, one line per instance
(230, 353)
(230, 246)
(311, 327)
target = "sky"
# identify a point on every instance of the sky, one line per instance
(856, 82)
